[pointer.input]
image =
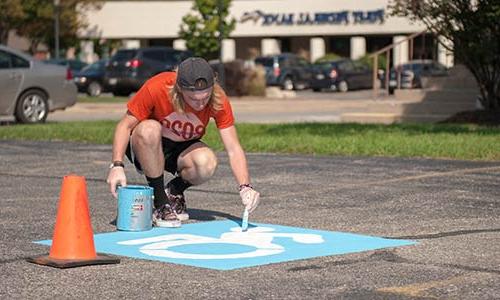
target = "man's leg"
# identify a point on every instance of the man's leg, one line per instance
(147, 147)
(195, 165)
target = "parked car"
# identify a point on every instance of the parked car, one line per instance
(31, 89)
(411, 73)
(287, 70)
(128, 69)
(90, 79)
(75, 65)
(341, 75)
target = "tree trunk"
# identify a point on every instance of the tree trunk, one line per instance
(4, 36)
(488, 83)
(34, 46)
(492, 96)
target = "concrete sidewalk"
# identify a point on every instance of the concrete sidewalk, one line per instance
(265, 110)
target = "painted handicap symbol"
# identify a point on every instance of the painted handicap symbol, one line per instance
(221, 245)
(260, 238)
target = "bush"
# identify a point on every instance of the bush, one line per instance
(234, 78)
(257, 81)
(242, 81)
(328, 57)
(382, 60)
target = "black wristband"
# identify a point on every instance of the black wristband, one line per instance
(117, 163)
(242, 186)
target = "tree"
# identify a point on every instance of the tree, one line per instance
(473, 27)
(201, 28)
(38, 22)
(10, 17)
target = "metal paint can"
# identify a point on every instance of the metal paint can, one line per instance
(135, 208)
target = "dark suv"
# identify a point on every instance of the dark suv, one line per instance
(128, 69)
(341, 75)
(287, 70)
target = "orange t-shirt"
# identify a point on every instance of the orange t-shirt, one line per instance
(152, 101)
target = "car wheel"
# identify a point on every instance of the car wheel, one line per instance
(94, 89)
(343, 86)
(121, 93)
(32, 107)
(288, 84)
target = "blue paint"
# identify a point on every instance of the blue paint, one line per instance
(221, 244)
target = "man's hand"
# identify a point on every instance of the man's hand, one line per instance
(116, 177)
(250, 198)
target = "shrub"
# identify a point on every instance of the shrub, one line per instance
(257, 81)
(382, 60)
(328, 57)
(234, 78)
(241, 80)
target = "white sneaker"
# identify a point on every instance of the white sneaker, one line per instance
(165, 217)
(178, 203)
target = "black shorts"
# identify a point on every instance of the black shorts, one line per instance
(171, 152)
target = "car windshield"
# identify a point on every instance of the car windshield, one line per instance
(123, 55)
(265, 61)
(95, 66)
(76, 64)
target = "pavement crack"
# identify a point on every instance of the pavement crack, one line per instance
(469, 268)
(390, 256)
(304, 268)
(444, 234)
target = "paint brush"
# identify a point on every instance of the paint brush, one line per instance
(244, 221)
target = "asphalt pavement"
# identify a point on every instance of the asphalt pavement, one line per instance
(451, 208)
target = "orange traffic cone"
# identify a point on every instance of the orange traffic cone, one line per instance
(73, 240)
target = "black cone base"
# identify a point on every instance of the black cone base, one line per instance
(73, 263)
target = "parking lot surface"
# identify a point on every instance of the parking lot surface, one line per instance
(451, 208)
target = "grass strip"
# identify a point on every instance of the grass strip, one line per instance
(466, 142)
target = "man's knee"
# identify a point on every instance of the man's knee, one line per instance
(205, 163)
(147, 132)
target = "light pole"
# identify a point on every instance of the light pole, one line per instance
(56, 27)
(220, 6)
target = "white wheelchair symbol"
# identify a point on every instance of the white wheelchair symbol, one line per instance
(260, 238)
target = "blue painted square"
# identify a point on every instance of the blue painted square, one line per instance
(221, 245)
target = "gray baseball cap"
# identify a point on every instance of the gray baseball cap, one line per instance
(195, 74)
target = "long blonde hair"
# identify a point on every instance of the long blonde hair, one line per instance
(215, 101)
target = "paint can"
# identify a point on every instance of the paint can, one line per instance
(135, 208)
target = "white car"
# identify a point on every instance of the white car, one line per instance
(30, 89)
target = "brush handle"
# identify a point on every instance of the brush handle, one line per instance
(244, 221)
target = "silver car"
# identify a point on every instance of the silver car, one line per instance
(30, 89)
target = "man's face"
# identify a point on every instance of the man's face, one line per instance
(197, 99)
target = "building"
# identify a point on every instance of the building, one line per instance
(311, 28)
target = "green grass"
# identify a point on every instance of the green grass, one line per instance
(467, 142)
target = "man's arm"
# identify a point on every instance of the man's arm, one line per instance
(237, 158)
(121, 139)
(238, 162)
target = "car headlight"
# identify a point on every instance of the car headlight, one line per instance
(80, 79)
